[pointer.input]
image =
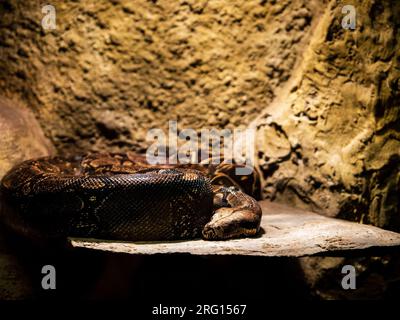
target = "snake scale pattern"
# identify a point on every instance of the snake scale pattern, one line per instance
(122, 197)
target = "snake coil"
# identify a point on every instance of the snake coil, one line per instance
(121, 197)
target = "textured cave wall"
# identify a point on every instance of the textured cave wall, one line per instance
(113, 69)
(332, 142)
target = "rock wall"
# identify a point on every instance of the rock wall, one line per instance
(114, 69)
(331, 142)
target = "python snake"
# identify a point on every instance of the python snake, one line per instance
(122, 197)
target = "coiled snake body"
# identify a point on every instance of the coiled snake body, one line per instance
(121, 197)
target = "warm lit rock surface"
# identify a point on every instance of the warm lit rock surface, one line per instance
(21, 136)
(332, 138)
(114, 69)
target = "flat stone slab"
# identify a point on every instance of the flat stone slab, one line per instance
(286, 232)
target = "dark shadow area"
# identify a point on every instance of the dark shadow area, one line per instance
(84, 274)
